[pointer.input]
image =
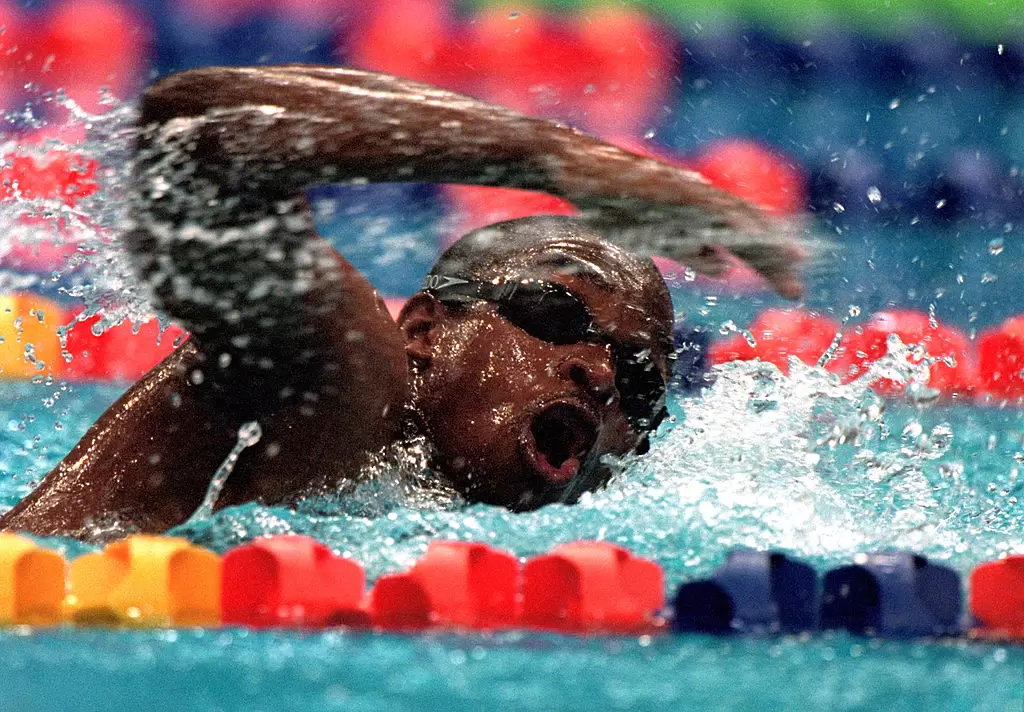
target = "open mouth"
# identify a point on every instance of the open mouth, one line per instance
(559, 438)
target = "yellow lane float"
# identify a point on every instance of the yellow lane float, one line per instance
(31, 582)
(146, 581)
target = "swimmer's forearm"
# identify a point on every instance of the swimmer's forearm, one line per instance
(297, 125)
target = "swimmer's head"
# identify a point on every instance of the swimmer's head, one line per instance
(537, 347)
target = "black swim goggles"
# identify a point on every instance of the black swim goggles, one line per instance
(550, 312)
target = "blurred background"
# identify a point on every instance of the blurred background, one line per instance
(897, 127)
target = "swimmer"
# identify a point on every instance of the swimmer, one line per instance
(535, 347)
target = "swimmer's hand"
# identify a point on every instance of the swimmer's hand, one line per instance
(707, 234)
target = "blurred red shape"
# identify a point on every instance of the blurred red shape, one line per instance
(953, 371)
(996, 597)
(592, 587)
(291, 581)
(412, 39)
(528, 61)
(779, 334)
(16, 45)
(460, 584)
(61, 175)
(476, 207)
(755, 173)
(90, 44)
(632, 61)
(125, 352)
(1001, 359)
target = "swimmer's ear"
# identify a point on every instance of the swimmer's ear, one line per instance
(420, 322)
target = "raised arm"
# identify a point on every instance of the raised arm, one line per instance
(285, 332)
(277, 129)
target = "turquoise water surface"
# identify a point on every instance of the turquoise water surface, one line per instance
(941, 480)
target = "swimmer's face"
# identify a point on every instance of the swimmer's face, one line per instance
(520, 421)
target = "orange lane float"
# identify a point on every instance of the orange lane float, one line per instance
(952, 370)
(31, 583)
(779, 334)
(291, 581)
(147, 581)
(592, 587)
(1001, 359)
(29, 345)
(455, 584)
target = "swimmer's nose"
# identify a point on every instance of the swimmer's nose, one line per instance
(595, 377)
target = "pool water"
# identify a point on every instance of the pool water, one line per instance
(819, 469)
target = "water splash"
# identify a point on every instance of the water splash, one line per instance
(248, 435)
(801, 462)
(95, 270)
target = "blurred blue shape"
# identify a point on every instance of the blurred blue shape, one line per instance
(848, 186)
(970, 184)
(261, 37)
(690, 368)
(897, 595)
(753, 592)
(391, 232)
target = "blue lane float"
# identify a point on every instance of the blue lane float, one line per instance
(753, 592)
(893, 595)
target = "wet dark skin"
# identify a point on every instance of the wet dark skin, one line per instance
(285, 332)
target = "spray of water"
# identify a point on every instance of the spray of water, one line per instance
(248, 435)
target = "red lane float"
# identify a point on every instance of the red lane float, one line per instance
(1001, 359)
(413, 39)
(124, 352)
(952, 372)
(455, 584)
(754, 172)
(88, 45)
(589, 587)
(291, 581)
(779, 334)
(997, 598)
(66, 176)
